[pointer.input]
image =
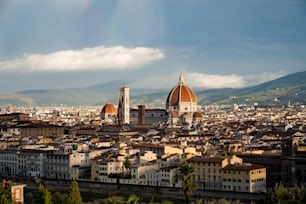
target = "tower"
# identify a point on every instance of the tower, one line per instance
(124, 106)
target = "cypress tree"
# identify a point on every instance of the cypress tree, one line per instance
(74, 193)
(43, 195)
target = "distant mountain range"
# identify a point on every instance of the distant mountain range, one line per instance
(279, 91)
(290, 88)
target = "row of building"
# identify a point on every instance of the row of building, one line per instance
(140, 167)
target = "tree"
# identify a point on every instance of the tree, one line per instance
(60, 198)
(185, 172)
(134, 199)
(127, 163)
(5, 196)
(114, 200)
(281, 194)
(29, 198)
(74, 193)
(42, 195)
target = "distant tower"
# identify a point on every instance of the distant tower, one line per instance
(124, 106)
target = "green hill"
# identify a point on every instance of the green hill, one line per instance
(279, 91)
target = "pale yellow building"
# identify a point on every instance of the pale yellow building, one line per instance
(245, 177)
(208, 170)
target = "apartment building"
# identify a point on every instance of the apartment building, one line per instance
(168, 176)
(34, 130)
(14, 116)
(107, 167)
(35, 163)
(24, 162)
(244, 177)
(208, 170)
(165, 176)
(138, 171)
(67, 163)
(8, 162)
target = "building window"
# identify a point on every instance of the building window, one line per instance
(17, 194)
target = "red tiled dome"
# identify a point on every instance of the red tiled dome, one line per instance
(109, 109)
(181, 93)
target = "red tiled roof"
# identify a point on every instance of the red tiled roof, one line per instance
(206, 159)
(243, 167)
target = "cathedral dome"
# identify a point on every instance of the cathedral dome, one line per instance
(181, 93)
(109, 109)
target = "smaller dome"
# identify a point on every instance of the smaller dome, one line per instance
(109, 109)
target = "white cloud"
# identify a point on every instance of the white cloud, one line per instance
(254, 79)
(208, 81)
(200, 80)
(96, 58)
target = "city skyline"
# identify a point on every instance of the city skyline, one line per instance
(215, 44)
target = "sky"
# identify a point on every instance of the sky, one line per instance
(214, 43)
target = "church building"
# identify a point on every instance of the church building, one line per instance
(182, 105)
(182, 109)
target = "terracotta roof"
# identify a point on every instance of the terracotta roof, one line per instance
(147, 145)
(206, 159)
(181, 93)
(197, 115)
(109, 108)
(243, 167)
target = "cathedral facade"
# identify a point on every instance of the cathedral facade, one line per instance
(182, 109)
(182, 105)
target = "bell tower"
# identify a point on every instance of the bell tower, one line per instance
(124, 106)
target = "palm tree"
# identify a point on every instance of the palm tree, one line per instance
(185, 172)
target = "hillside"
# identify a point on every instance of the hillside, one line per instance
(279, 91)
